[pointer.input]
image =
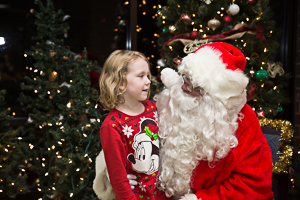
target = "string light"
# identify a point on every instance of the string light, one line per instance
(31, 146)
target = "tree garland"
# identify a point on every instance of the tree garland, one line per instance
(285, 151)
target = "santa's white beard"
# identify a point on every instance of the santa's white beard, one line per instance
(191, 129)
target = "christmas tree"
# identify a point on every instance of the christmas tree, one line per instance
(246, 24)
(61, 136)
(12, 180)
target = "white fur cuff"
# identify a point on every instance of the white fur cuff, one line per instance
(189, 197)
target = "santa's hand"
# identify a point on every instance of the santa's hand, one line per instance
(170, 77)
(132, 180)
(189, 197)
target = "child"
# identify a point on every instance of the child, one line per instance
(129, 132)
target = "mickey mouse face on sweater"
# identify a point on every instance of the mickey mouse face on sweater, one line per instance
(146, 145)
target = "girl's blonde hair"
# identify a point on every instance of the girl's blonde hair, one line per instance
(113, 75)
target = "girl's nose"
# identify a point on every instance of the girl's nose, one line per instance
(148, 81)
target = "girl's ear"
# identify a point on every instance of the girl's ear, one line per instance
(122, 86)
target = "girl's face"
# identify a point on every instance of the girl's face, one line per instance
(138, 83)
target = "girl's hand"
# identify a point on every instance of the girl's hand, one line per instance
(132, 180)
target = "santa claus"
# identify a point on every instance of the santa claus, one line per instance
(212, 146)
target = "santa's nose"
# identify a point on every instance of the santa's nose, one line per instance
(131, 158)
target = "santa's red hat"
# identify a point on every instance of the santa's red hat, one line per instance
(217, 68)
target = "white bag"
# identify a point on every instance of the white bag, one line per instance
(101, 184)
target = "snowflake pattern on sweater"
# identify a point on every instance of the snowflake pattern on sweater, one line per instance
(140, 146)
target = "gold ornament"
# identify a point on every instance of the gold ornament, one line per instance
(52, 53)
(274, 69)
(285, 150)
(52, 76)
(172, 29)
(214, 24)
(254, 55)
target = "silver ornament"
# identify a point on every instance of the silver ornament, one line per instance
(214, 24)
(233, 9)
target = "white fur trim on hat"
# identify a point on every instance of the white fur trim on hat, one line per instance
(207, 70)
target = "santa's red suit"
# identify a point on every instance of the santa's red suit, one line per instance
(246, 173)
(212, 146)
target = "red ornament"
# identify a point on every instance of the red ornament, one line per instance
(184, 17)
(227, 19)
(193, 35)
(176, 61)
(260, 32)
(252, 2)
